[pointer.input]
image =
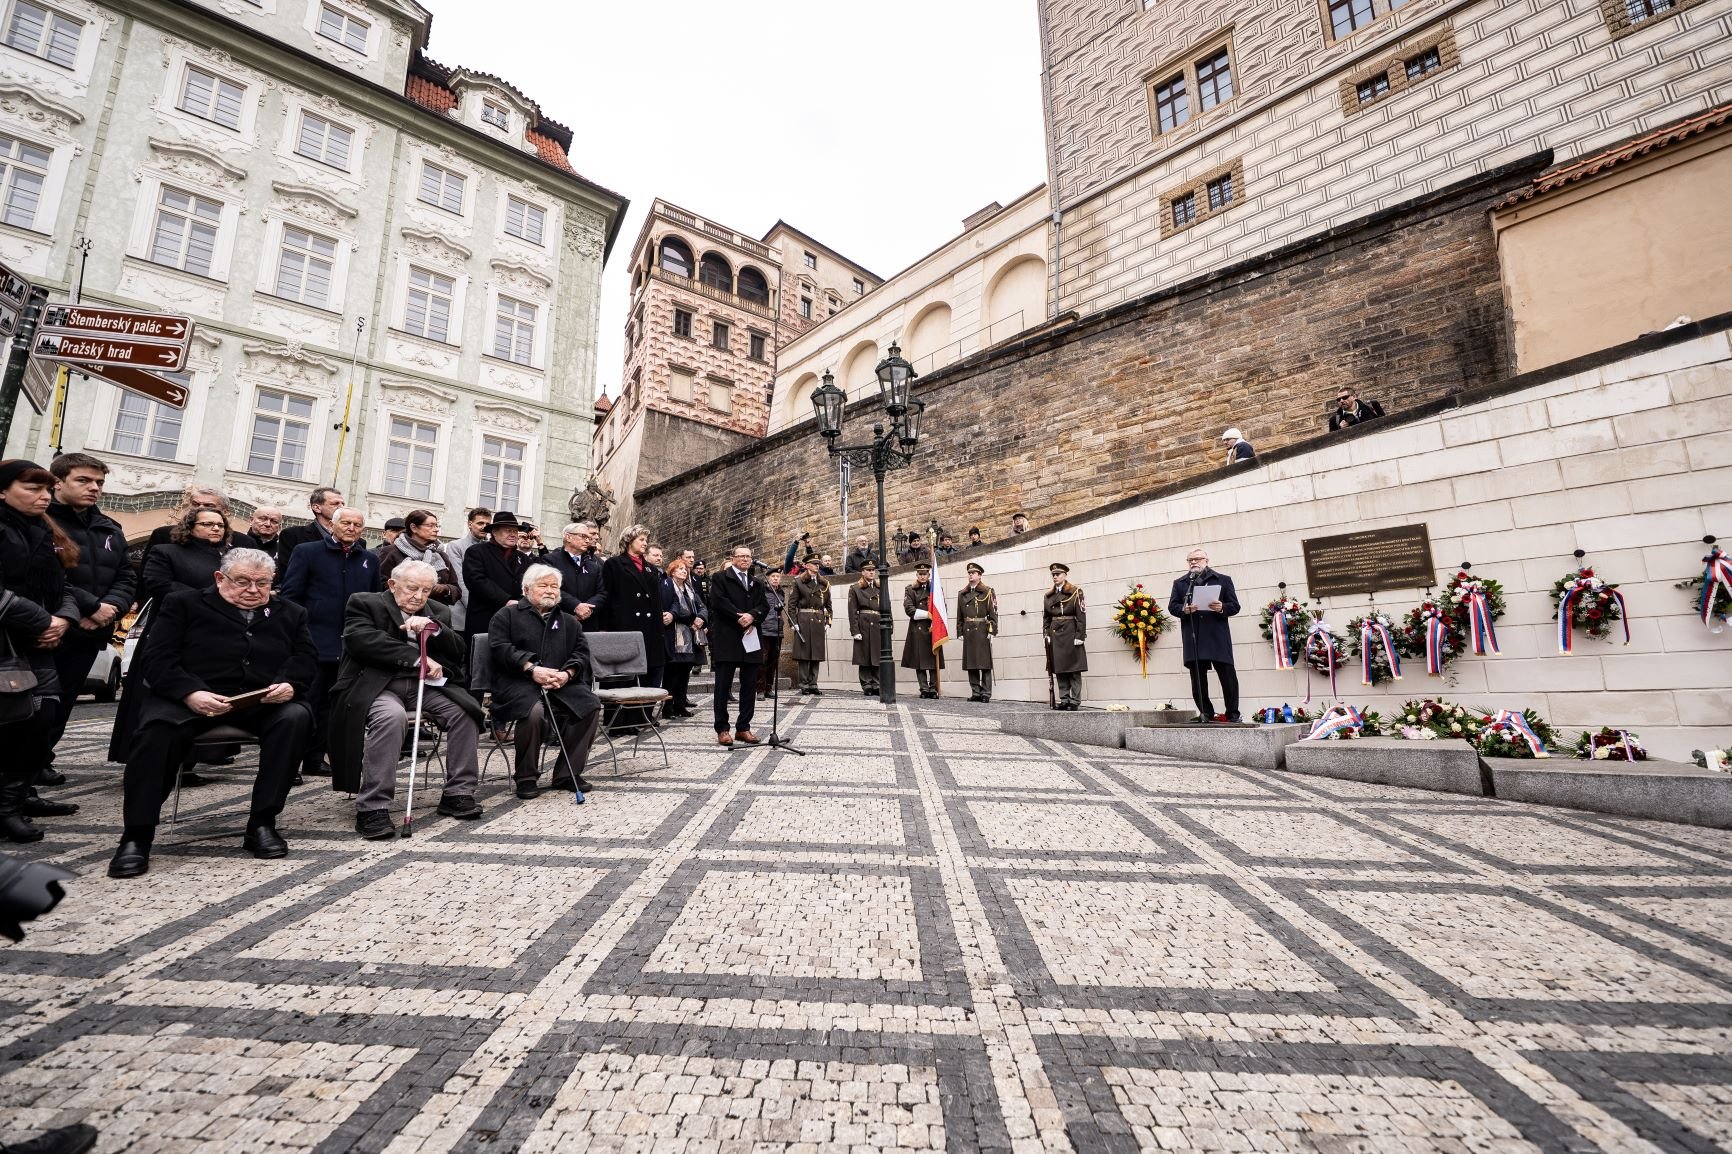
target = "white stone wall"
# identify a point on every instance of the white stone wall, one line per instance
(1631, 462)
(1533, 74)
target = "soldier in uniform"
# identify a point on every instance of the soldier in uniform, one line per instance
(808, 618)
(865, 601)
(977, 610)
(917, 653)
(1066, 656)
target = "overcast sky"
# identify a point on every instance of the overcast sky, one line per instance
(874, 127)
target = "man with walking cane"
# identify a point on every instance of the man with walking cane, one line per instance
(541, 678)
(400, 651)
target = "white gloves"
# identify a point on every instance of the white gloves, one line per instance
(922, 615)
(1078, 641)
(857, 637)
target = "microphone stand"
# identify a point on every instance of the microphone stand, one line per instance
(775, 741)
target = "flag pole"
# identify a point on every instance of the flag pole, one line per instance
(937, 646)
(348, 400)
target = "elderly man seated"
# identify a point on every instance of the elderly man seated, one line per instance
(232, 655)
(541, 660)
(375, 692)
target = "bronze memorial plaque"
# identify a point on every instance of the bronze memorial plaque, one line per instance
(1393, 558)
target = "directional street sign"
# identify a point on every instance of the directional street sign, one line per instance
(125, 324)
(171, 393)
(109, 351)
(8, 320)
(39, 381)
(14, 289)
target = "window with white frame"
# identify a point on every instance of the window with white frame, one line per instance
(305, 264)
(495, 115)
(44, 32)
(325, 141)
(23, 171)
(211, 97)
(281, 422)
(721, 395)
(337, 25)
(184, 235)
(442, 188)
(410, 453)
(514, 330)
(523, 220)
(147, 428)
(501, 473)
(681, 383)
(427, 306)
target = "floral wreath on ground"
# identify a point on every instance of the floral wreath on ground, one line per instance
(1593, 609)
(1414, 624)
(1355, 642)
(1493, 741)
(1719, 760)
(1139, 619)
(1610, 745)
(1429, 719)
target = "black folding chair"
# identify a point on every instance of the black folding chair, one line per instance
(500, 739)
(620, 658)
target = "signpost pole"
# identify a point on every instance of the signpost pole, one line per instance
(63, 387)
(14, 378)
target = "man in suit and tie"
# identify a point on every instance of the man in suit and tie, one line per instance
(578, 560)
(738, 607)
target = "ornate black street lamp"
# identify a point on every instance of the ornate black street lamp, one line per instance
(888, 450)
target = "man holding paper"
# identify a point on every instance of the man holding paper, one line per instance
(1202, 601)
(738, 607)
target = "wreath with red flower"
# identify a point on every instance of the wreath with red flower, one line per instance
(1139, 620)
(1300, 619)
(1455, 593)
(1594, 609)
(1410, 632)
(1355, 641)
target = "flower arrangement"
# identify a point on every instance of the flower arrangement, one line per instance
(1355, 642)
(1594, 605)
(1501, 742)
(1139, 620)
(1431, 719)
(1610, 745)
(1718, 760)
(1475, 602)
(1712, 605)
(1299, 620)
(1413, 629)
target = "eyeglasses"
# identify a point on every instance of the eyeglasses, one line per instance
(208, 524)
(262, 584)
(1345, 397)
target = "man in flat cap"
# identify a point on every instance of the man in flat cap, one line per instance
(917, 651)
(1065, 626)
(977, 610)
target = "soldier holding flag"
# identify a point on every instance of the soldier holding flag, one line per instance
(926, 630)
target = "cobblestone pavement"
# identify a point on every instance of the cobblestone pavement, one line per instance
(925, 935)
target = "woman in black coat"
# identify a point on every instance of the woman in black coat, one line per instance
(634, 600)
(36, 609)
(192, 556)
(685, 612)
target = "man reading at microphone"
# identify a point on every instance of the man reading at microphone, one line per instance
(1202, 601)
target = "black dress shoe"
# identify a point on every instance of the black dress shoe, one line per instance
(565, 784)
(375, 824)
(42, 807)
(48, 775)
(528, 791)
(584, 783)
(74, 1139)
(130, 860)
(263, 841)
(17, 827)
(191, 780)
(460, 806)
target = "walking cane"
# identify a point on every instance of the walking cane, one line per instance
(415, 740)
(559, 740)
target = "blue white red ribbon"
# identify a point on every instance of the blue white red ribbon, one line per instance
(1481, 634)
(1567, 608)
(1319, 635)
(1717, 576)
(1436, 638)
(1375, 632)
(1513, 722)
(1278, 627)
(1336, 719)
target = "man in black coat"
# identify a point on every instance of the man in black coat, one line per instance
(1350, 410)
(323, 504)
(738, 607)
(1208, 642)
(102, 584)
(582, 592)
(266, 530)
(493, 572)
(540, 656)
(205, 648)
(376, 690)
(321, 577)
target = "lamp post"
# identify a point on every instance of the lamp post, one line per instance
(889, 450)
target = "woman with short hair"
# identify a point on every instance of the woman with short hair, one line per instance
(685, 611)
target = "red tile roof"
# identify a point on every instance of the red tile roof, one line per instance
(602, 404)
(428, 94)
(1622, 153)
(430, 86)
(549, 150)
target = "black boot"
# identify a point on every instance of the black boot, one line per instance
(133, 857)
(14, 824)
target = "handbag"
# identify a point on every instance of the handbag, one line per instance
(17, 677)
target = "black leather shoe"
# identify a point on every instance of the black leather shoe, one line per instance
(528, 791)
(458, 806)
(263, 841)
(584, 783)
(319, 770)
(42, 807)
(65, 1140)
(375, 824)
(564, 784)
(131, 860)
(17, 827)
(48, 775)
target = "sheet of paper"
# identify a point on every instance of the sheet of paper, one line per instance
(436, 681)
(1203, 596)
(749, 640)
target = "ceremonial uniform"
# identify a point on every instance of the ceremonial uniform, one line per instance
(864, 622)
(917, 651)
(977, 615)
(808, 617)
(1065, 627)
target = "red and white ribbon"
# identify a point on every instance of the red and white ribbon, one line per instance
(1511, 721)
(1320, 637)
(1278, 627)
(1436, 638)
(1338, 719)
(1717, 576)
(1567, 608)
(1374, 632)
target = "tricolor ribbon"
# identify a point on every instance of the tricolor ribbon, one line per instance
(1376, 632)
(426, 634)
(1436, 637)
(1320, 635)
(1283, 650)
(1567, 608)
(1336, 719)
(1480, 631)
(1717, 576)
(1514, 722)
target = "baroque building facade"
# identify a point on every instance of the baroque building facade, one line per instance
(356, 229)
